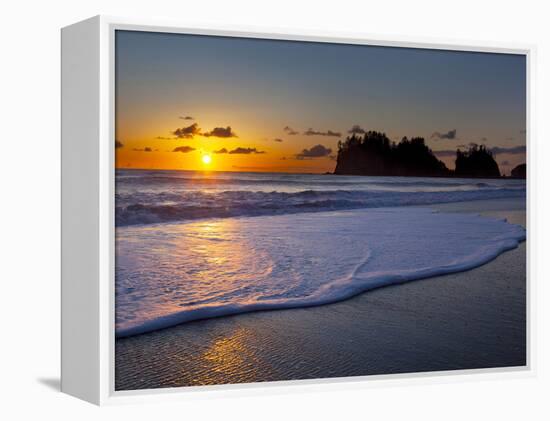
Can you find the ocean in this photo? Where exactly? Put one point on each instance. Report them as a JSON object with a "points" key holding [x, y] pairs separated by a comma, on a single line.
{"points": [[196, 245]]}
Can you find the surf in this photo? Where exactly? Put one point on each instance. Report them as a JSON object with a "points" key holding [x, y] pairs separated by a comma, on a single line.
{"points": [[176, 273]]}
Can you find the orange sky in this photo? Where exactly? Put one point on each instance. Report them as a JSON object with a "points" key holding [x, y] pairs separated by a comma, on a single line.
{"points": [[257, 153]]}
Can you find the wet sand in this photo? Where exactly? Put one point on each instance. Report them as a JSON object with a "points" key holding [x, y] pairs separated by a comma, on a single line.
{"points": [[473, 319]]}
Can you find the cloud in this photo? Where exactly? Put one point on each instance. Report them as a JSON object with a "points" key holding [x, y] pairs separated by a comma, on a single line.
{"points": [[185, 117], [483, 139], [220, 132], [165, 138], [222, 150], [245, 151], [278, 139], [356, 129], [146, 149], [290, 131], [118, 144], [451, 134], [445, 153], [187, 132], [183, 149], [274, 168], [193, 130], [311, 132], [452, 152], [317, 151], [514, 150]]}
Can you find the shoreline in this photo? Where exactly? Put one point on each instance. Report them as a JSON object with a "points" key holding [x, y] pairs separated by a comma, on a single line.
{"points": [[182, 338]]}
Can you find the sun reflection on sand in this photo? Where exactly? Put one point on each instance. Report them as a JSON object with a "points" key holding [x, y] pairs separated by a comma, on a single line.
{"points": [[233, 356]]}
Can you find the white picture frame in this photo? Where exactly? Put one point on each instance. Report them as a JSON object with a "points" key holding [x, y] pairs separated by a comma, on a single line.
{"points": [[88, 212]]}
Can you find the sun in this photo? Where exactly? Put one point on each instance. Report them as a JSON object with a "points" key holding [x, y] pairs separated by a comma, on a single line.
{"points": [[206, 159]]}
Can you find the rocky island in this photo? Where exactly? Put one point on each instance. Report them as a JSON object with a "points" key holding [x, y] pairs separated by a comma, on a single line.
{"points": [[520, 171], [375, 154], [478, 161]]}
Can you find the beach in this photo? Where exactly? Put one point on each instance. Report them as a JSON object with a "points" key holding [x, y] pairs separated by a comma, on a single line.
{"points": [[465, 320]]}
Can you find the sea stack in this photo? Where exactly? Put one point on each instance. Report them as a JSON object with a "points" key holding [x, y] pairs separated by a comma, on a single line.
{"points": [[478, 161], [520, 171], [375, 155]]}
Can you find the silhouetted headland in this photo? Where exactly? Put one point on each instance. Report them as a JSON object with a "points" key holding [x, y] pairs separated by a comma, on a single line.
{"points": [[374, 154]]}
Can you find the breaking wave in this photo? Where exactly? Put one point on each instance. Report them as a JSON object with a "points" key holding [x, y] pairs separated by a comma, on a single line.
{"points": [[151, 207]]}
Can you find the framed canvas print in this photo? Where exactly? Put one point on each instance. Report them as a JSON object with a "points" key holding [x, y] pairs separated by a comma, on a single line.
{"points": [[248, 209]]}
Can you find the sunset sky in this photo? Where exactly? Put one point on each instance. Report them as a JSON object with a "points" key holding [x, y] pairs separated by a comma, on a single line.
{"points": [[263, 105]]}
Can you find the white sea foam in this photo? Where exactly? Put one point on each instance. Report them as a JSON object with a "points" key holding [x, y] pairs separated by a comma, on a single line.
{"points": [[168, 274]]}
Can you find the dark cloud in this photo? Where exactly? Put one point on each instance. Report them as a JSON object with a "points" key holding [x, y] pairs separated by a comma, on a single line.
{"points": [[464, 146], [311, 132], [483, 139], [165, 138], [452, 152], [194, 130], [450, 135], [356, 129], [317, 151], [445, 153], [146, 149], [183, 149], [274, 168], [278, 139], [220, 132], [187, 132], [245, 151], [118, 144], [514, 150], [290, 131], [185, 117], [222, 150]]}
